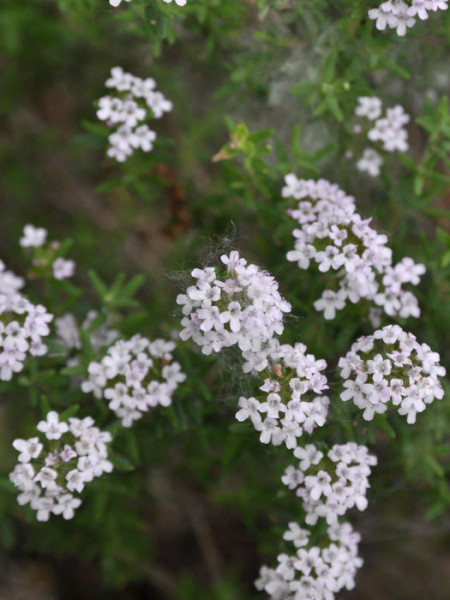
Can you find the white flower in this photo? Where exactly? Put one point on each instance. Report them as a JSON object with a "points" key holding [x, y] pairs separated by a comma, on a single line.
{"points": [[52, 428], [23, 477], [329, 303], [158, 104], [295, 534], [75, 480], [46, 478], [143, 138], [369, 107], [318, 484], [402, 20], [294, 188], [382, 14], [302, 254], [308, 455], [353, 391], [10, 284], [132, 113], [412, 404], [33, 237], [110, 109], [66, 506], [43, 507], [249, 408], [437, 4], [233, 316], [62, 268], [370, 162], [28, 449], [419, 9], [115, 4]]}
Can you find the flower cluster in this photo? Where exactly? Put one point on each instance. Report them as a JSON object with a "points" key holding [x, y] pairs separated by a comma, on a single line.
{"points": [[46, 257], [51, 469], [330, 484], [314, 572], [237, 305], [289, 403], [116, 3], [134, 101], [390, 366], [241, 305], [399, 15], [135, 375], [335, 237], [388, 133], [22, 327]]}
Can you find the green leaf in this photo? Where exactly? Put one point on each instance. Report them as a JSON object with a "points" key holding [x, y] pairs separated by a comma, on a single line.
{"points": [[438, 213], [69, 412], [96, 128], [395, 68], [329, 67], [445, 260], [323, 152], [304, 89], [333, 107], [133, 285], [408, 161], [132, 446], [87, 351], [231, 125], [120, 463], [97, 322], [68, 288], [97, 284], [70, 371], [108, 185], [258, 137], [6, 485], [434, 465], [45, 406], [239, 428], [113, 292], [382, 422], [427, 123], [436, 510], [443, 109], [418, 184]]}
